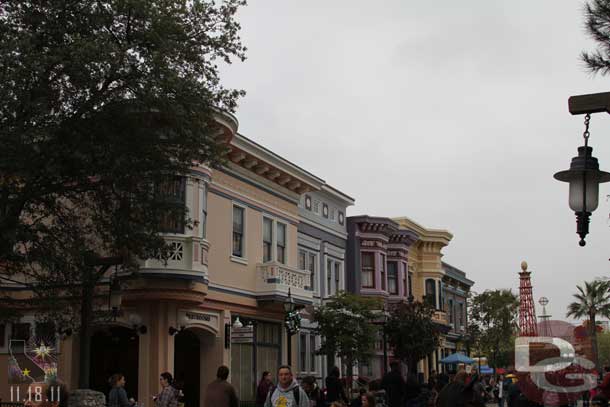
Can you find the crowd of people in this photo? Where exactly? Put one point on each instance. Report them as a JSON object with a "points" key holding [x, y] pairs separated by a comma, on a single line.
{"points": [[461, 389]]}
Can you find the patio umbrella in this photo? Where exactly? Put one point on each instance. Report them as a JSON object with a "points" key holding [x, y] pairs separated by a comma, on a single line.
{"points": [[457, 358]]}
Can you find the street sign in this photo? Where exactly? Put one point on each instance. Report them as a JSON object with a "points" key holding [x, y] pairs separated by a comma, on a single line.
{"points": [[242, 335]]}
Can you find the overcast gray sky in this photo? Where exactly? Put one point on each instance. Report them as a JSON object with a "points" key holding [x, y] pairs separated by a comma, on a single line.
{"points": [[453, 113]]}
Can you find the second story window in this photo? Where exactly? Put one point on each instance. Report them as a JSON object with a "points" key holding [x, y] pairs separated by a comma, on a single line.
{"points": [[404, 279], [329, 278], [172, 192], [410, 285], [393, 277], [450, 313], [368, 270], [267, 239], [337, 276], [204, 211], [382, 270], [431, 292], [281, 243], [312, 271], [238, 231]]}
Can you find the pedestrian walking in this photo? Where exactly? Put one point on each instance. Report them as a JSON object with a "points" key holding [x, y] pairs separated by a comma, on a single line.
{"points": [[500, 391], [169, 394], [334, 388], [394, 385], [263, 389], [287, 393], [316, 398], [118, 396], [452, 394], [220, 393]]}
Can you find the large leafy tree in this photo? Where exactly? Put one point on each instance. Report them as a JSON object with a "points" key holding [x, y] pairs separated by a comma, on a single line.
{"points": [[346, 326], [411, 332], [493, 322], [101, 103], [591, 300]]}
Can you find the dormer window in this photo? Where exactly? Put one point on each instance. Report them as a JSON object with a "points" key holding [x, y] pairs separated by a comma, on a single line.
{"points": [[307, 202]]}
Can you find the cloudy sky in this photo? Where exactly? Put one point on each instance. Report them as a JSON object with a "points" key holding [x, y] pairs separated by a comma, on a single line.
{"points": [[451, 113]]}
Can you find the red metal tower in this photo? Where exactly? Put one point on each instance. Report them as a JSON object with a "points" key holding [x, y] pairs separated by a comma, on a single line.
{"points": [[527, 312]]}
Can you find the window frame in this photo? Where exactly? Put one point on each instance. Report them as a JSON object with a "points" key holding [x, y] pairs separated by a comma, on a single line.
{"points": [[179, 228], [382, 272], [203, 207], [277, 243], [243, 255], [395, 278], [372, 271], [271, 245]]}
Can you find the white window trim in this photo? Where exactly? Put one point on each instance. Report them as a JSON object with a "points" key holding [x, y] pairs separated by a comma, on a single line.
{"points": [[274, 223], [244, 258], [309, 370], [203, 197], [329, 293], [316, 283]]}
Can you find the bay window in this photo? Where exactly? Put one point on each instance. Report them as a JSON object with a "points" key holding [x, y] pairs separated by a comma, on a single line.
{"points": [[393, 277], [368, 270]]}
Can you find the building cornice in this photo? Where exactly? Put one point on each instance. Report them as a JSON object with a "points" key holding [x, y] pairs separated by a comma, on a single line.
{"points": [[265, 163], [441, 236]]}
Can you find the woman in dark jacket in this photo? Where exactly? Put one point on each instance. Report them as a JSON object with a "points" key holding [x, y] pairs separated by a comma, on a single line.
{"points": [[118, 396], [263, 388], [334, 388]]}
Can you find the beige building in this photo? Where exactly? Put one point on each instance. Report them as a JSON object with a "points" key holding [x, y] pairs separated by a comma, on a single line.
{"points": [[218, 299]]}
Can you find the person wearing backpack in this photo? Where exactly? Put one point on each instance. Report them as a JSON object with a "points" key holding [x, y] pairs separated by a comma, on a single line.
{"points": [[287, 393]]}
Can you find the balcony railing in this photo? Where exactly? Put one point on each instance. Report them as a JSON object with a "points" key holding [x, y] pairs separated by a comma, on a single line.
{"points": [[274, 279], [187, 256]]}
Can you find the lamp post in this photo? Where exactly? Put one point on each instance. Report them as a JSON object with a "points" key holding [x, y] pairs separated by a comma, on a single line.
{"points": [[584, 175], [385, 341], [292, 321], [94, 268]]}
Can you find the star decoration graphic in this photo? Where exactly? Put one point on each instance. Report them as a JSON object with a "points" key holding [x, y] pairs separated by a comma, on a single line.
{"points": [[26, 372], [43, 351]]}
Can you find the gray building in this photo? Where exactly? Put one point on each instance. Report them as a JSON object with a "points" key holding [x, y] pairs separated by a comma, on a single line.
{"points": [[455, 289], [322, 242]]}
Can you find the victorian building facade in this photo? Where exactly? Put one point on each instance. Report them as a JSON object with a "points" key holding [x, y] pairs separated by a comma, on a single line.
{"points": [[400, 260], [262, 228], [456, 288], [322, 241]]}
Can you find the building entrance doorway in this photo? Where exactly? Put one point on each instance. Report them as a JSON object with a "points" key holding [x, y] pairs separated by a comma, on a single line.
{"points": [[114, 349], [187, 366]]}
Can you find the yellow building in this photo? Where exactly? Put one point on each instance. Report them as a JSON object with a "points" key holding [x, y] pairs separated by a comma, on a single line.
{"points": [[218, 299]]}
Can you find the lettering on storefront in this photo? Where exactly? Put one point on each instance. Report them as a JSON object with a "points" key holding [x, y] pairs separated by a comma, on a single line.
{"points": [[199, 318]]}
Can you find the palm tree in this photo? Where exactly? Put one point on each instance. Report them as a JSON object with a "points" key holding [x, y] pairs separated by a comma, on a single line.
{"points": [[592, 301]]}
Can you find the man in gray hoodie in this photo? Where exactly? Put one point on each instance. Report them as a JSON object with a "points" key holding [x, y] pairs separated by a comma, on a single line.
{"points": [[288, 393]]}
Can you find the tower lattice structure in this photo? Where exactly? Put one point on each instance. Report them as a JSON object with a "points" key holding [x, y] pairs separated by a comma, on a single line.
{"points": [[545, 323], [527, 312]]}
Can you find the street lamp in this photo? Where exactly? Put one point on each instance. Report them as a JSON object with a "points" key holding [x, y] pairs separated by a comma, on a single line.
{"points": [[584, 175], [292, 321], [385, 340], [115, 298]]}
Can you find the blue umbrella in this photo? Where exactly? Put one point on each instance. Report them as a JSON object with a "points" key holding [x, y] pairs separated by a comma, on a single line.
{"points": [[457, 358]]}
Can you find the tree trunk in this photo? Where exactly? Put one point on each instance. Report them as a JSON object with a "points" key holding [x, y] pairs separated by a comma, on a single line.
{"points": [[593, 336], [85, 330]]}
